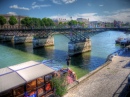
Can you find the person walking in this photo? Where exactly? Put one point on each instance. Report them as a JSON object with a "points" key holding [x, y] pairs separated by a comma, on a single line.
{"points": [[68, 61]]}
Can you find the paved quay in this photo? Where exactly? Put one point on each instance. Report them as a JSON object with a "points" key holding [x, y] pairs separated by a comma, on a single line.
{"points": [[107, 82]]}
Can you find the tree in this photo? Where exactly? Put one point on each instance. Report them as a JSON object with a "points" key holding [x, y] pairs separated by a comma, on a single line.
{"points": [[80, 23], [60, 24], [12, 20], [51, 23], [27, 21], [47, 22], [35, 22], [72, 22], [2, 20]]}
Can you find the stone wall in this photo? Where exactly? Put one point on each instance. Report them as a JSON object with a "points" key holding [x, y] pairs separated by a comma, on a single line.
{"points": [[6, 38], [22, 39], [79, 47], [39, 42]]}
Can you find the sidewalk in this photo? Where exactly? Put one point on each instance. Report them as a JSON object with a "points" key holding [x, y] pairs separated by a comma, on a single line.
{"points": [[107, 82]]}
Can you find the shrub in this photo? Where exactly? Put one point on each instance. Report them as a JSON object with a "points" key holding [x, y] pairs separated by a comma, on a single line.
{"points": [[60, 85]]}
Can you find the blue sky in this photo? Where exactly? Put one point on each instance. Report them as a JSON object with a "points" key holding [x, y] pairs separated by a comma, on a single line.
{"points": [[95, 10]]}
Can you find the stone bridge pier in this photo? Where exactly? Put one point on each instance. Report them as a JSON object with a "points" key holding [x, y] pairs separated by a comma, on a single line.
{"points": [[6, 38], [78, 47], [16, 39], [22, 39], [43, 41]]}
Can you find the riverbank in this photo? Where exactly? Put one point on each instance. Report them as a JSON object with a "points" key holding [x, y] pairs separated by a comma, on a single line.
{"points": [[104, 81]]}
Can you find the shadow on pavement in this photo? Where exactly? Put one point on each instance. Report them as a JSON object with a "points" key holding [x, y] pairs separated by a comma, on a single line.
{"points": [[123, 89]]}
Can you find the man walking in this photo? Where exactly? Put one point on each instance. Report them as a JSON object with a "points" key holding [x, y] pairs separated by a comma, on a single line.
{"points": [[68, 61]]}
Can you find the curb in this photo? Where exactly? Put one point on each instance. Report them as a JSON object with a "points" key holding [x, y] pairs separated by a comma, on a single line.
{"points": [[87, 75]]}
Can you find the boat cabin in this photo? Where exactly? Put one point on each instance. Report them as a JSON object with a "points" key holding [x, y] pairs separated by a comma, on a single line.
{"points": [[29, 79]]}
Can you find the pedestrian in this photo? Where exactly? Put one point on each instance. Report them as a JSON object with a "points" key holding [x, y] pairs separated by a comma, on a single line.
{"points": [[68, 61]]}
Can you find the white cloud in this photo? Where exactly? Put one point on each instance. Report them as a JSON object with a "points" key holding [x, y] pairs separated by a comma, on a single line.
{"points": [[11, 13], [33, 3], [66, 16], [122, 11], [63, 1], [68, 1], [57, 1], [39, 6], [101, 5], [17, 7], [122, 15], [89, 4]]}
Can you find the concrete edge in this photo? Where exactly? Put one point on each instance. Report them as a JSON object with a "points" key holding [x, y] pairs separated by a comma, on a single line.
{"points": [[87, 75]]}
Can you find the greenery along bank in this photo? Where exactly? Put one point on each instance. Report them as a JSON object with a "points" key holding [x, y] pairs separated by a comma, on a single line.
{"points": [[37, 22]]}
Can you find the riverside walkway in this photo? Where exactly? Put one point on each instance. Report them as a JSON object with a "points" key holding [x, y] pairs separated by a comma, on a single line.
{"points": [[110, 81]]}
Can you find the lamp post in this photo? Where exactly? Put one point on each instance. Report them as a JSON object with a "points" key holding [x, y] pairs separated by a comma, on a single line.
{"points": [[71, 28]]}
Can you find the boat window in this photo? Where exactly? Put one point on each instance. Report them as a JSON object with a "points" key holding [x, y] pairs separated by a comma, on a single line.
{"points": [[48, 77], [18, 91], [31, 85], [48, 86], [40, 81], [31, 93], [41, 91]]}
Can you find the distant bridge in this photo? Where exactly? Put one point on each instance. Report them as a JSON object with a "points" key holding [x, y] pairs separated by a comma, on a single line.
{"points": [[74, 34]]}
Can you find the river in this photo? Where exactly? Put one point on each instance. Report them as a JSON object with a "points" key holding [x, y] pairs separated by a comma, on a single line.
{"points": [[103, 44]]}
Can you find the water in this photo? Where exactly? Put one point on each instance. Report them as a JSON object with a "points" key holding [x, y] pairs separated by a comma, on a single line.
{"points": [[103, 44]]}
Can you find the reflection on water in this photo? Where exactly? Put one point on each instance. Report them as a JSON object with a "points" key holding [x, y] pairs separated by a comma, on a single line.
{"points": [[103, 44]]}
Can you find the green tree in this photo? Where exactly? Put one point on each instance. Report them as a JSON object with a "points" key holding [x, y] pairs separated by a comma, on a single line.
{"points": [[47, 22], [35, 22], [51, 23], [65, 24], [2, 20], [12, 20], [72, 22], [60, 24], [80, 23], [27, 21]]}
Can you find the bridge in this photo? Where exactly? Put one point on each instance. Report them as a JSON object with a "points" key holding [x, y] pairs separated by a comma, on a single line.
{"points": [[79, 37]]}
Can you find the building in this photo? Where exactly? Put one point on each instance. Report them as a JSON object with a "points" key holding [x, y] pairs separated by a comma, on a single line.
{"points": [[85, 21], [18, 17], [58, 20], [99, 24], [93, 24], [117, 24]]}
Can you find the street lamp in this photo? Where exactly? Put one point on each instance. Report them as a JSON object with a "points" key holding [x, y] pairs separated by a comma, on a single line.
{"points": [[71, 28]]}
